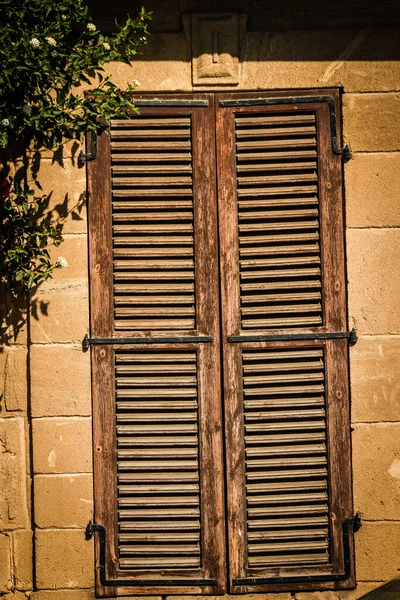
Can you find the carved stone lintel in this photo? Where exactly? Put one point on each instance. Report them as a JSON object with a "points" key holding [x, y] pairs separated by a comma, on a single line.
{"points": [[215, 41]]}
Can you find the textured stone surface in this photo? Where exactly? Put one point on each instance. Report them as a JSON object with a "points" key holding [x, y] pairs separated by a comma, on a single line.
{"points": [[375, 379], [348, 58], [5, 563], [378, 551], [63, 500], [376, 470], [22, 557], [16, 595], [60, 313], [283, 596], [371, 121], [372, 187], [172, 74], [67, 367], [13, 380], [13, 474], [357, 594], [65, 184], [374, 280], [62, 445], [13, 318], [63, 595], [64, 559], [74, 250]]}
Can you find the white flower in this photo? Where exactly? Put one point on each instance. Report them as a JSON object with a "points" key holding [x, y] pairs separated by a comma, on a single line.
{"points": [[136, 83], [34, 43], [27, 110], [106, 46], [91, 26], [62, 262], [51, 41], [5, 122]]}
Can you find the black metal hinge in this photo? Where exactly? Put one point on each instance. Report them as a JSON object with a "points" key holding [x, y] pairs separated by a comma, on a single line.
{"points": [[355, 523], [334, 335], [101, 530], [94, 341], [83, 158], [345, 151], [171, 102]]}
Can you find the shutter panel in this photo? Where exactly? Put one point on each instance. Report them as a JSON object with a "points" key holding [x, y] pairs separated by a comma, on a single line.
{"points": [[157, 406], [286, 401]]}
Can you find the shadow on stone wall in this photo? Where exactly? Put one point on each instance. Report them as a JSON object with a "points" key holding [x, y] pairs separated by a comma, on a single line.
{"points": [[55, 211], [389, 591]]}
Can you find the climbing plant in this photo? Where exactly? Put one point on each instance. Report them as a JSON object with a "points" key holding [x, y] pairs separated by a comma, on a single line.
{"points": [[53, 88]]}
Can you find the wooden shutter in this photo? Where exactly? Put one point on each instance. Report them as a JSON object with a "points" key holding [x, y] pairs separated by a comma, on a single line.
{"points": [[286, 399], [156, 382]]}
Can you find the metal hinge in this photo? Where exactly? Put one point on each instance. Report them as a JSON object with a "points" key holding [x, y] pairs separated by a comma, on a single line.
{"points": [[95, 341], [83, 158], [345, 151], [101, 530], [354, 522], [287, 337]]}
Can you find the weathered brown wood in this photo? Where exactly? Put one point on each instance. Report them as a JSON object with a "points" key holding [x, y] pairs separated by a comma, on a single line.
{"points": [[101, 324], [291, 442], [279, 418], [168, 397], [230, 308]]}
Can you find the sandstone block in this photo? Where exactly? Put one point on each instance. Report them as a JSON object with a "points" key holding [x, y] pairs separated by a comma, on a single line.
{"points": [[63, 595], [375, 379], [74, 250], [62, 445], [5, 563], [22, 546], [357, 594], [64, 559], [14, 499], [376, 470], [65, 184], [60, 380], [16, 595], [270, 596], [172, 74], [371, 121], [13, 382], [13, 318], [374, 280], [353, 59], [373, 190], [378, 551], [63, 500], [60, 313], [70, 149]]}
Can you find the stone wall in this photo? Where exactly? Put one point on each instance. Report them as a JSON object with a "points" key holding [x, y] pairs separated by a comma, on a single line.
{"points": [[45, 419]]}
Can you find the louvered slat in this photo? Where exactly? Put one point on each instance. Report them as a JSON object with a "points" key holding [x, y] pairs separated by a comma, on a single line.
{"points": [[278, 192], [153, 244], [286, 457], [158, 459]]}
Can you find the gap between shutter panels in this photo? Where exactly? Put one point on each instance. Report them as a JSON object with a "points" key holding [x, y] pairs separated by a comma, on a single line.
{"points": [[278, 214], [158, 459], [152, 210], [286, 457]]}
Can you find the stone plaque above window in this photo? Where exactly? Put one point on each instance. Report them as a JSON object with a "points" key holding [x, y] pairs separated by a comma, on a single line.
{"points": [[215, 41]]}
